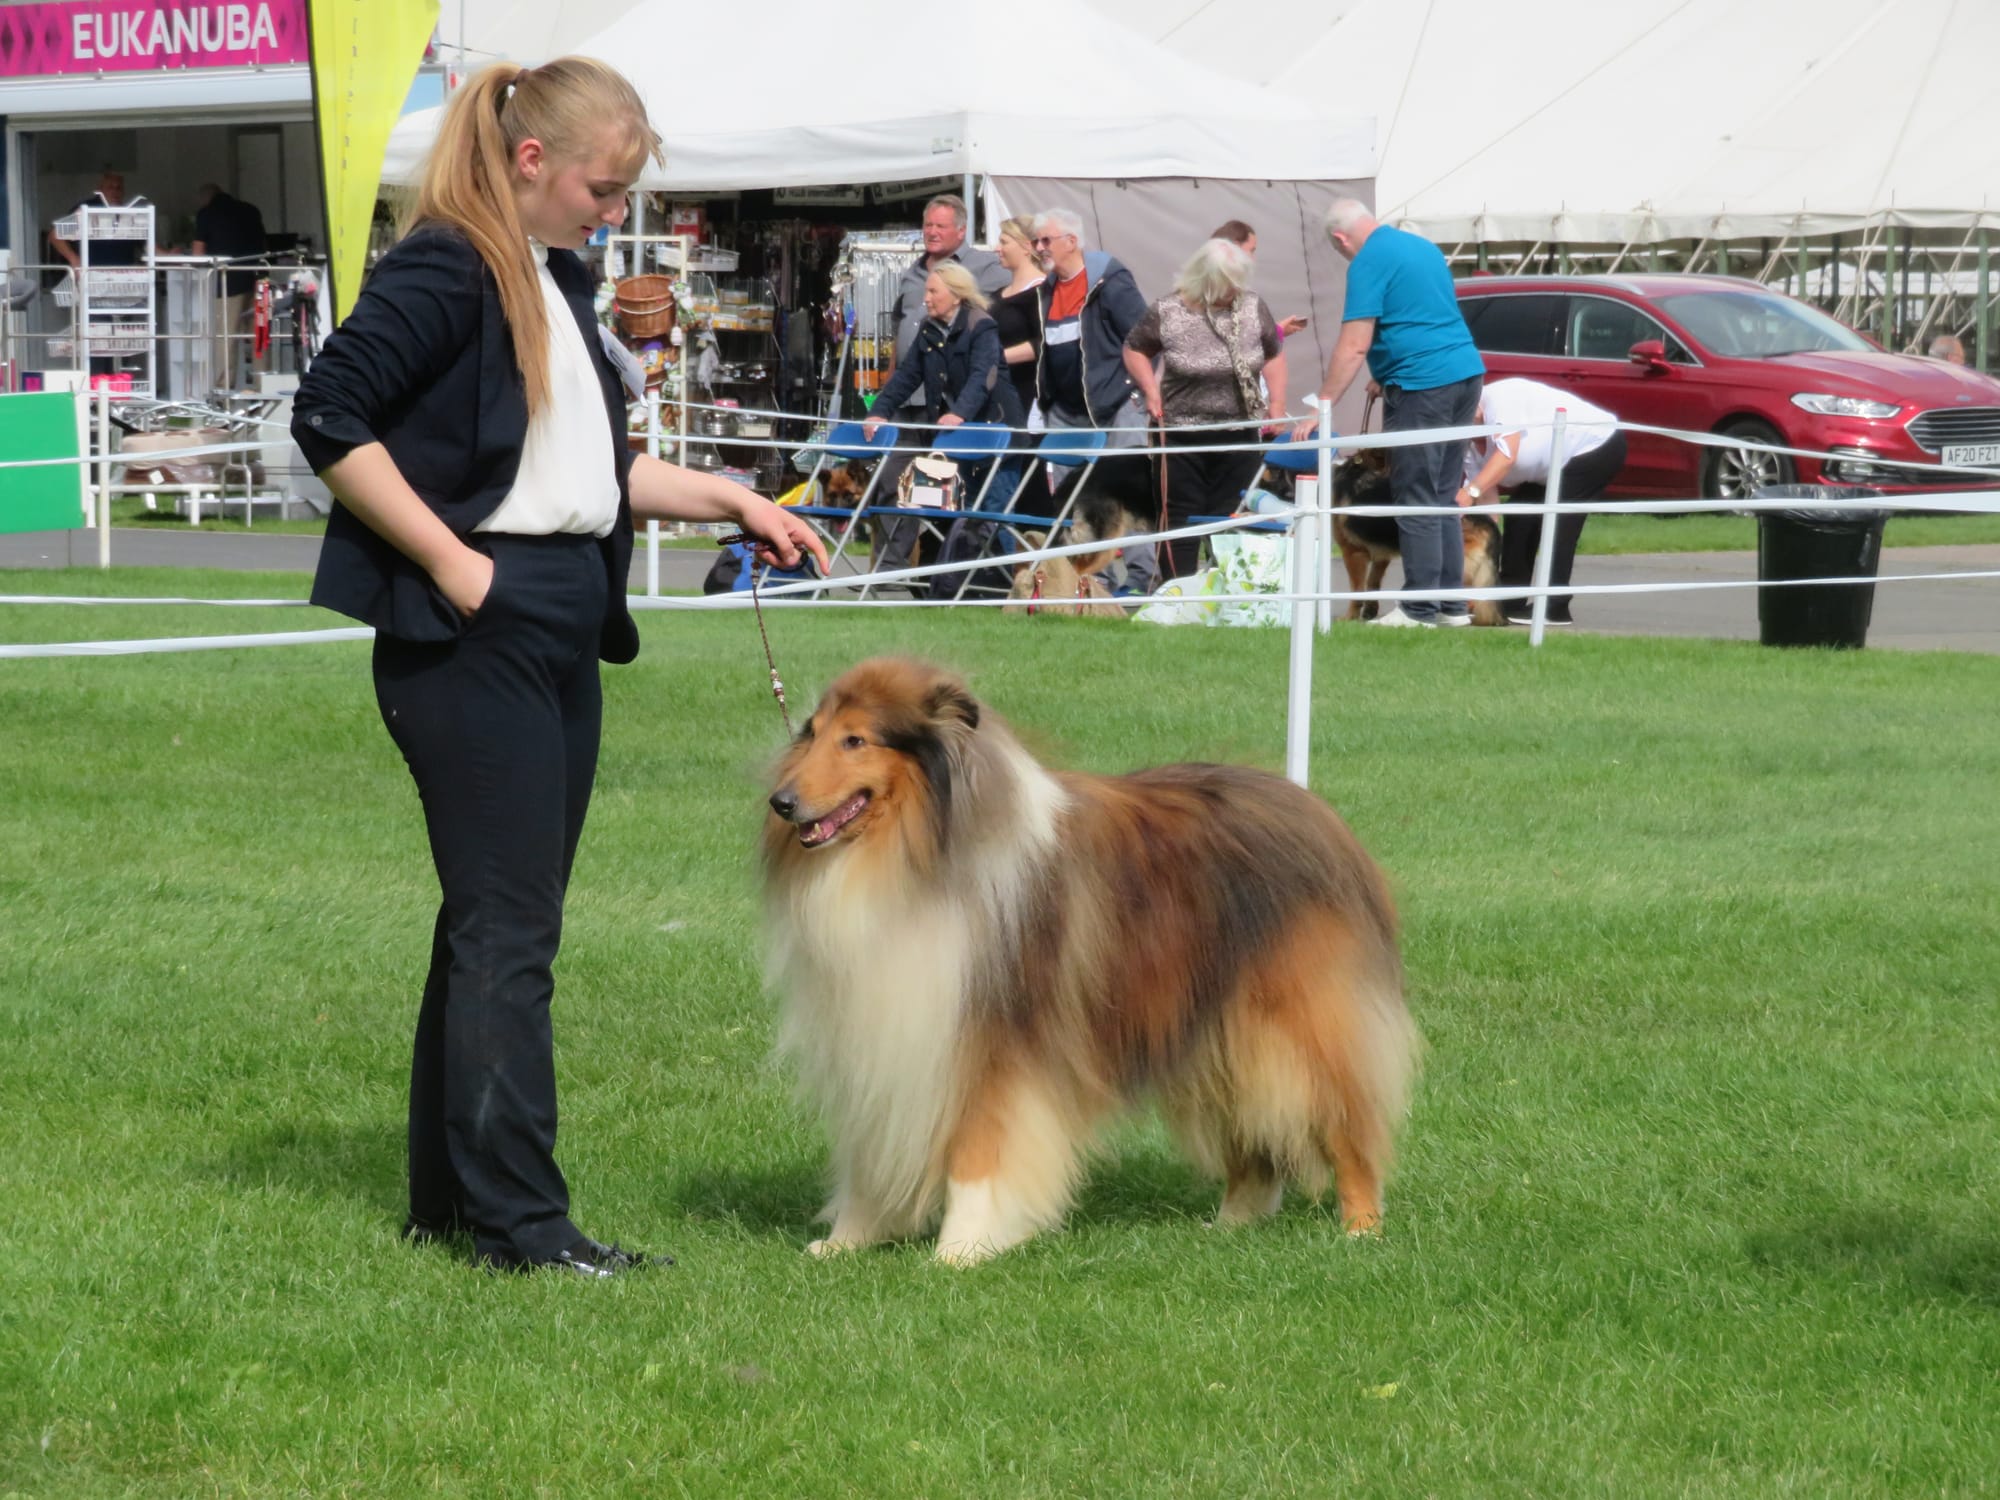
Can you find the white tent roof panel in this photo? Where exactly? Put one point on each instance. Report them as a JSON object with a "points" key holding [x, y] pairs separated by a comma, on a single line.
{"points": [[876, 92], [1579, 120]]}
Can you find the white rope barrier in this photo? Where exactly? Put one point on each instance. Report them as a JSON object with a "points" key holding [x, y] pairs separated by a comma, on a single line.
{"points": [[151, 458], [1339, 442], [163, 600], [186, 643], [643, 604], [1303, 593]]}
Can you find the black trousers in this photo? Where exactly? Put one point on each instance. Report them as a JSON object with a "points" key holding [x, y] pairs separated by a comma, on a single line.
{"points": [[1585, 477], [1204, 484], [500, 731]]}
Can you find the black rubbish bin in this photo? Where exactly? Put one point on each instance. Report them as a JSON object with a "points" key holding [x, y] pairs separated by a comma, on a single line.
{"points": [[1814, 542]]}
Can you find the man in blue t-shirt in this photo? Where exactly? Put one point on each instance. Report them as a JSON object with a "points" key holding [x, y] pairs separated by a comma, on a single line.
{"points": [[1402, 318]]}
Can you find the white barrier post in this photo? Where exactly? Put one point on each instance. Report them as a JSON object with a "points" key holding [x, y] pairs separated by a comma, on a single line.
{"points": [[104, 478], [1545, 550], [1298, 699], [1323, 523], [653, 524]]}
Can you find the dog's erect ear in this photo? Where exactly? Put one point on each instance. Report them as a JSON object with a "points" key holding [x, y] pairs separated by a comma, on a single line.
{"points": [[950, 701]]}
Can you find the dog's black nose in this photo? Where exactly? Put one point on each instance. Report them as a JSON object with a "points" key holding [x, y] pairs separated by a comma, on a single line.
{"points": [[785, 804]]}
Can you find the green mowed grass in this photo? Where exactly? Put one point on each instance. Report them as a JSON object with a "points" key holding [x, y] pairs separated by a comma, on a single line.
{"points": [[1697, 1196], [1707, 531]]}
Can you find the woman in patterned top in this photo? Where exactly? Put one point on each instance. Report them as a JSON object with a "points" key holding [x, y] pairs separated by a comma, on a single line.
{"points": [[1220, 360]]}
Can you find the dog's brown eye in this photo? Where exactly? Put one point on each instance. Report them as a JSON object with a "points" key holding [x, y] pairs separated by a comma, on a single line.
{"points": [[854, 742]]}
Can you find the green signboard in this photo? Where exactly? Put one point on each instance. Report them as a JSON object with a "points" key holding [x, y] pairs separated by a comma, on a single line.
{"points": [[44, 497]]}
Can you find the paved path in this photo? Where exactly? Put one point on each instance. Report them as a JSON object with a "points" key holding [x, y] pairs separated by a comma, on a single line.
{"points": [[1930, 616], [1912, 616]]}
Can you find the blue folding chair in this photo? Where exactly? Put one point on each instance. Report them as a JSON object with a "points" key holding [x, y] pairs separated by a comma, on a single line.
{"points": [[850, 440], [975, 443], [968, 443], [1066, 447], [1298, 457], [989, 444], [1295, 456]]}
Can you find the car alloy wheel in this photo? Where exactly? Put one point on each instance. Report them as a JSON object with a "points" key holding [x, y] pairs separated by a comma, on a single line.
{"points": [[1738, 473]]}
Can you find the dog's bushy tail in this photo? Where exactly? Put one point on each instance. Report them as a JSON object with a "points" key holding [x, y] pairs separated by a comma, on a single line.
{"points": [[1482, 571]]}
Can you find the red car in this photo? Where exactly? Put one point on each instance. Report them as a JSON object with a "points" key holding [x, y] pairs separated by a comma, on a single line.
{"points": [[1719, 354]]}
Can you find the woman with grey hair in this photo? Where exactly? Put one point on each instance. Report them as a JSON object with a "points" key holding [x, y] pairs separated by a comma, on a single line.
{"points": [[1220, 361]]}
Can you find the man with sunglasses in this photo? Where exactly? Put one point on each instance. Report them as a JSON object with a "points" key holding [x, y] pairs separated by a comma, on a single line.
{"points": [[1089, 304]]}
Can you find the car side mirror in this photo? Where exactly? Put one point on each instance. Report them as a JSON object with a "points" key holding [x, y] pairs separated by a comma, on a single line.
{"points": [[1652, 353]]}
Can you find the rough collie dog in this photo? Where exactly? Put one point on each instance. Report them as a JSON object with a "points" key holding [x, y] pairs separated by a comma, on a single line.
{"points": [[980, 960], [1368, 544]]}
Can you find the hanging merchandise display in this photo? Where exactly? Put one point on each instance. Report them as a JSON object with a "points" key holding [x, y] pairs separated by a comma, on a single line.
{"points": [[760, 318]]}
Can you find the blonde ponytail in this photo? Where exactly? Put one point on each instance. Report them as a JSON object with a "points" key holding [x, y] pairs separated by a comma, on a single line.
{"points": [[568, 105]]}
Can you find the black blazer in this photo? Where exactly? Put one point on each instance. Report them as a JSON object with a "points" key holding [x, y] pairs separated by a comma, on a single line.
{"points": [[425, 366]]}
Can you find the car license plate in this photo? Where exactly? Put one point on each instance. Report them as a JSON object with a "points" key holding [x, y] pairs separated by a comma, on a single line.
{"points": [[1973, 453]]}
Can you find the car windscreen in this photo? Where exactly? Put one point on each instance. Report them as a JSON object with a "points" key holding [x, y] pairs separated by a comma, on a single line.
{"points": [[1756, 325]]}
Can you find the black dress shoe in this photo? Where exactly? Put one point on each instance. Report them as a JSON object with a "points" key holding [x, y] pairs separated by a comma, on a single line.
{"points": [[585, 1257]]}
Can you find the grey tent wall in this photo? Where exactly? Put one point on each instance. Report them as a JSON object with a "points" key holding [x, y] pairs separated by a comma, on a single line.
{"points": [[1154, 224]]}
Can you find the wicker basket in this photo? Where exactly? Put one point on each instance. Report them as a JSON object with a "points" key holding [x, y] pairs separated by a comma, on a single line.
{"points": [[645, 306]]}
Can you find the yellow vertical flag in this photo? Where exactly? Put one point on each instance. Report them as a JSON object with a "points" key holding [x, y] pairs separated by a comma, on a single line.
{"points": [[365, 53]]}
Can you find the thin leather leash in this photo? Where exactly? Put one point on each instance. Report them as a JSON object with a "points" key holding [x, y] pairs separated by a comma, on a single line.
{"points": [[750, 562]]}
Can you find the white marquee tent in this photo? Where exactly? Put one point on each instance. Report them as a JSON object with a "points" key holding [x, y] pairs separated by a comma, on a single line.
{"points": [[1153, 149], [1629, 121], [869, 91]]}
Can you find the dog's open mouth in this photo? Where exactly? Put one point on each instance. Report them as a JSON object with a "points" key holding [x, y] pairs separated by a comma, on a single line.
{"points": [[825, 830]]}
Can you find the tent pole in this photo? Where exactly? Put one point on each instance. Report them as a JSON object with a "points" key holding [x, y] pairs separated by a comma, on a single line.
{"points": [[971, 210], [1482, 255], [1889, 290], [1983, 324]]}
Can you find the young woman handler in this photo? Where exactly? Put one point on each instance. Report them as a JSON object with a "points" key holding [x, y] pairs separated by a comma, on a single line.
{"points": [[471, 423]]}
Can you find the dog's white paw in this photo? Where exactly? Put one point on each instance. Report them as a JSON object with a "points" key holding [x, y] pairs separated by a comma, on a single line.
{"points": [[821, 1249], [1249, 1202], [965, 1253]]}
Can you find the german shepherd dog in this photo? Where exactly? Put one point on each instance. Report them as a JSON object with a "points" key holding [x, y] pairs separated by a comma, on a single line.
{"points": [[1368, 544], [981, 961]]}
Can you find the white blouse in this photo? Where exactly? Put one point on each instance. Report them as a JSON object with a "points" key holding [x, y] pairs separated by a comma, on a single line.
{"points": [[566, 482], [1529, 408]]}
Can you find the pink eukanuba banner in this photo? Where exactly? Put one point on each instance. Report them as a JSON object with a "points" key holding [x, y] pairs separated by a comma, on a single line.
{"points": [[135, 36]]}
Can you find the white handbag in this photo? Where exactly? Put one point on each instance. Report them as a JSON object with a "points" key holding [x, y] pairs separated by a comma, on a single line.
{"points": [[929, 483]]}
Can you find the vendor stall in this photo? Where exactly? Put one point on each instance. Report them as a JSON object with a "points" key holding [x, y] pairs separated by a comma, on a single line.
{"points": [[170, 98], [811, 194]]}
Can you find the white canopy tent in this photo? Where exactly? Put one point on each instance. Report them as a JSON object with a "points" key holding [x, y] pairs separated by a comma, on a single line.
{"points": [[869, 92], [527, 31], [1153, 149], [1641, 121]]}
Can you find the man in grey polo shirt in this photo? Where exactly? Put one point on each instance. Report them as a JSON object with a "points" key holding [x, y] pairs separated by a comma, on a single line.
{"points": [[944, 239]]}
